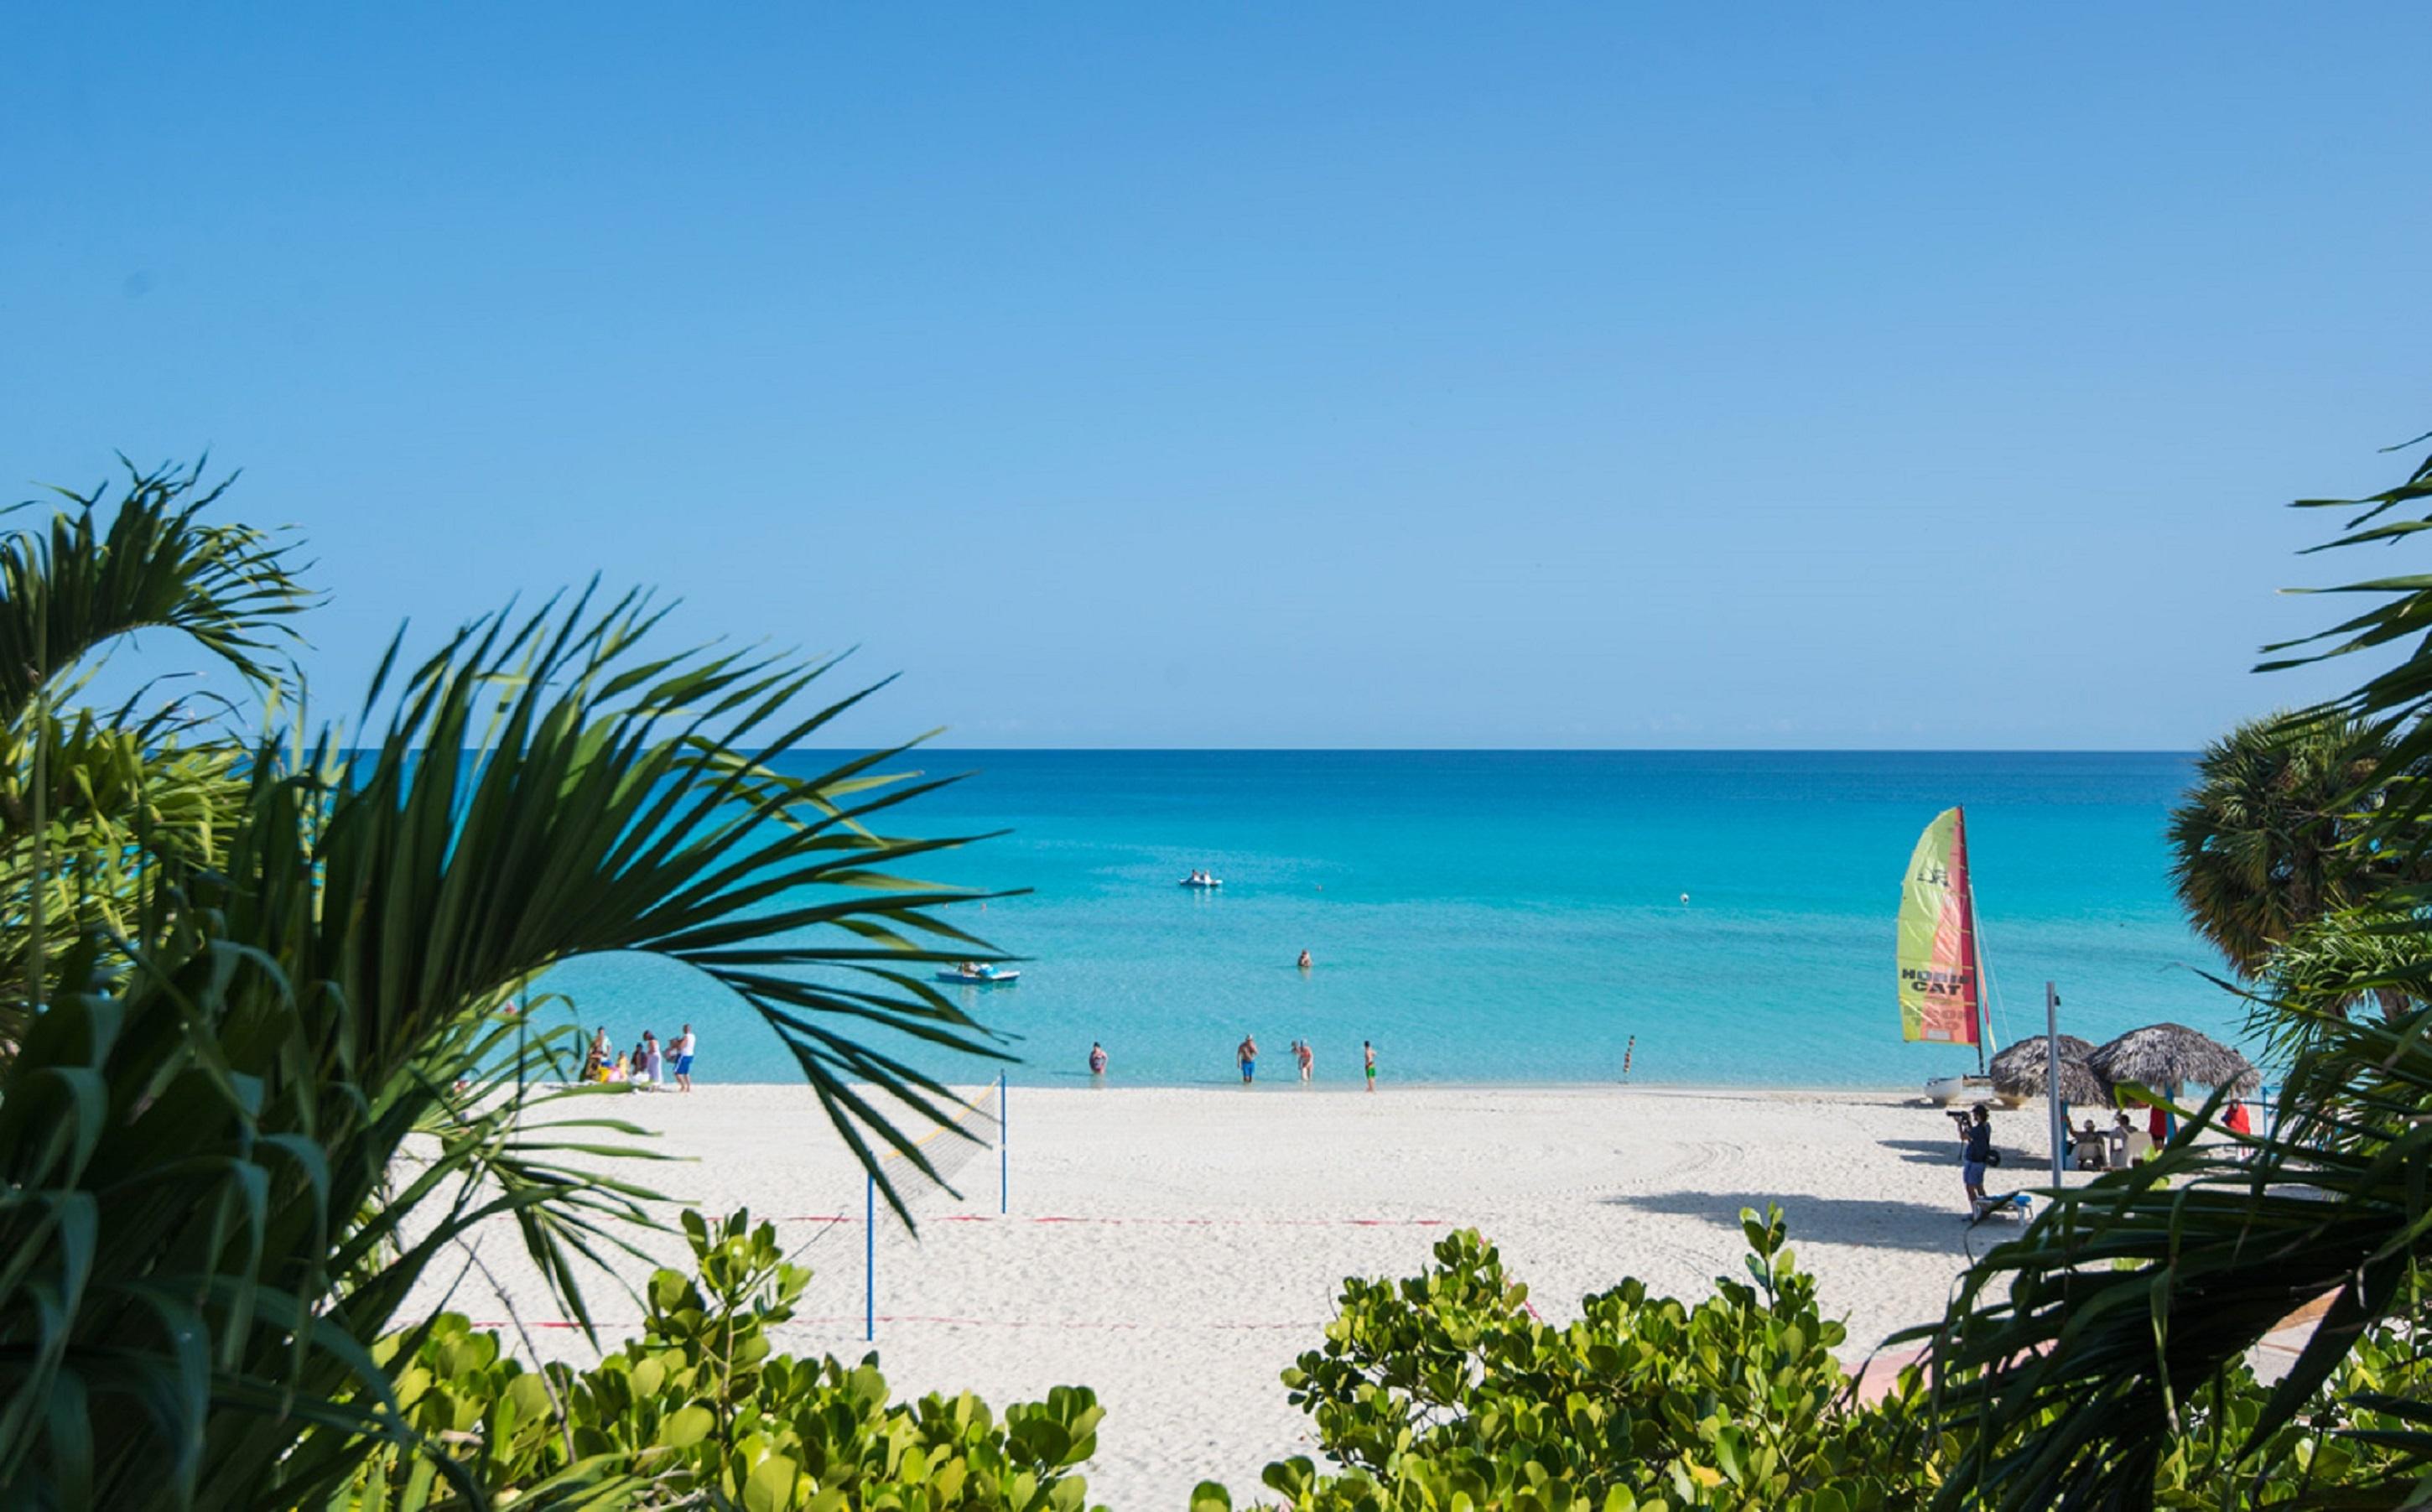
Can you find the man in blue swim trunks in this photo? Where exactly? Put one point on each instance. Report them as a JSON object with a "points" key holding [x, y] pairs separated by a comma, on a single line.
{"points": [[683, 1048], [1248, 1055]]}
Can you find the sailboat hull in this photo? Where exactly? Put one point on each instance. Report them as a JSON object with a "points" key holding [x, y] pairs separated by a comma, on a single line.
{"points": [[1961, 1091]]}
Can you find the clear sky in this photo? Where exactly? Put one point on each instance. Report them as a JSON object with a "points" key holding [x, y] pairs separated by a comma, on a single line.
{"points": [[1393, 375]]}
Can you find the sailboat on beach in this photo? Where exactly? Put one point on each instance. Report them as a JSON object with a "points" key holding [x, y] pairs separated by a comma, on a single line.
{"points": [[1941, 961]]}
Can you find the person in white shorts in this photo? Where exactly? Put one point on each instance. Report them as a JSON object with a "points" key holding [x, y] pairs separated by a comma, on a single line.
{"points": [[683, 1048]]}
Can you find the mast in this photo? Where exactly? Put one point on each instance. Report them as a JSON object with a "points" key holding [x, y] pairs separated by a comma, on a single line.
{"points": [[1969, 949]]}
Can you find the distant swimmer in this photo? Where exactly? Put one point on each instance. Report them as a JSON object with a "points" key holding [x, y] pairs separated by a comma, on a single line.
{"points": [[1684, 899], [1097, 1059], [1304, 962]]}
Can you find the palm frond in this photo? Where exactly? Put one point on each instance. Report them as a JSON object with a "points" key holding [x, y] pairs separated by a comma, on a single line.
{"points": [[106, 567], [297, 1014]]}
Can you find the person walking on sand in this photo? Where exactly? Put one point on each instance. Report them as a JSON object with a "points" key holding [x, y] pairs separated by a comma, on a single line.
{"points": [[683, 1048], [1247, 1053], [1307, 1057], [1097, 1059], [1975, 1153], [1368, 1053]]}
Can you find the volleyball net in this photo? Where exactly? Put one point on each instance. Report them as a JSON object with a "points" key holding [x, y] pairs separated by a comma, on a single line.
{"points": [[960, 1151]]}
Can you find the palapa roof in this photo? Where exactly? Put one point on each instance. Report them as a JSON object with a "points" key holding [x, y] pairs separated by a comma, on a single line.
{"points": [[2018, 1071], [2163, 1055]]}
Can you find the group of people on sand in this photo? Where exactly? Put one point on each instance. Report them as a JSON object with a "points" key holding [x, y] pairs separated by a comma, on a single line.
{"points": [[649, 1067], [1976, 1142]]}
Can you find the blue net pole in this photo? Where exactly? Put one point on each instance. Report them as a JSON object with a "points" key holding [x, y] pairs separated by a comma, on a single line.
{"points": [[870, 1259]]}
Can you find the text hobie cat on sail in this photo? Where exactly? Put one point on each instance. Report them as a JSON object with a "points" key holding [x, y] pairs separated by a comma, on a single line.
{"points": [[1941, 958]]}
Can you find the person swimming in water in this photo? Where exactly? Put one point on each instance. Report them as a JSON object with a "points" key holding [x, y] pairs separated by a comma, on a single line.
{"points": [[1304, 962]]}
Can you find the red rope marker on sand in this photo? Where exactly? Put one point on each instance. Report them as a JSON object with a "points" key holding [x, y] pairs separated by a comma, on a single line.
{"points": [[1147, 1223]]}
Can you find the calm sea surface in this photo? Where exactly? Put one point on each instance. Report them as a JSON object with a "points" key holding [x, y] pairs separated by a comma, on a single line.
{"points": [[1516, 916]]}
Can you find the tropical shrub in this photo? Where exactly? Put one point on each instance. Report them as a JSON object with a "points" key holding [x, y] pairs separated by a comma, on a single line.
{"points": [[1446, 1393], [1446, 1390], [700, 1410]]}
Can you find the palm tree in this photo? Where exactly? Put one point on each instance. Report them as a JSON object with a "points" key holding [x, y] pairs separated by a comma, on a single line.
{"points": [[208, 1214], [2268, 839]]}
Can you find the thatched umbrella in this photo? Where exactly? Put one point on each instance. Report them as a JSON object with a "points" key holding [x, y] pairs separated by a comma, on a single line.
{"points": [[2170, 1055], [2018, 1071]]}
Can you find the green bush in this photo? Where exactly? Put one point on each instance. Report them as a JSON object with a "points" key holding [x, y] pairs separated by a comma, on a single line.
{"points": [[1445, 1391], [700, 1410], [1445, 1388]]}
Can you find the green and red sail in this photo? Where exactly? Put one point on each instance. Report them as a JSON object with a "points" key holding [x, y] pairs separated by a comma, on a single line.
{"points": [[1939, 996]]}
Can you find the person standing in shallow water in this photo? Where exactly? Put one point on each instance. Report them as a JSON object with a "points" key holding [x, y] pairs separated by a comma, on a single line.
{"points": [[1304, 962], [1247, 1053], [1307, 1057], [1097, 1059], [683, 1048], [1368, 1053]]}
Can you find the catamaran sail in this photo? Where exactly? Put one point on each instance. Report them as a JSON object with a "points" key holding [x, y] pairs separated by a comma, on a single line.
{"points": [[1941, 972]]}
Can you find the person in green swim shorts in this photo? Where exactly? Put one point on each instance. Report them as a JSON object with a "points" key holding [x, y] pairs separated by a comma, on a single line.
{"points": [[1369, 1053]]}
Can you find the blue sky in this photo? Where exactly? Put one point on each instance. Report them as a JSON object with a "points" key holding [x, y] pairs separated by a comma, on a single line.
{"points": [[1278, 376]]}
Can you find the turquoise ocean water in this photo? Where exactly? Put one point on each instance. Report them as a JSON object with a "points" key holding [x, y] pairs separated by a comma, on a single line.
{"points": [[1516, 916]]}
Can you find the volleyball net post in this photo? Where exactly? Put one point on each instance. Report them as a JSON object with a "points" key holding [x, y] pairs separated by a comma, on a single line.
{"points": [[1004, 1156]]}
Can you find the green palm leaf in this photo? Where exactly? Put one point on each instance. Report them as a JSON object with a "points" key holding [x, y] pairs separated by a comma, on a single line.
{"points": [[232, 1106]]}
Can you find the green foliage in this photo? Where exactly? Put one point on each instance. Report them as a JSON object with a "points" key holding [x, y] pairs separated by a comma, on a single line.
{"points": [[86, 797], [700, 1410], [1446, 1390], [2265, 842], [1446, 1393], [146, 560], [274, 1080]]}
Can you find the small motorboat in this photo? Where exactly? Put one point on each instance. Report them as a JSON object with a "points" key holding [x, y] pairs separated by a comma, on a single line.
{"points": [[985, 976], [1202, 882]]}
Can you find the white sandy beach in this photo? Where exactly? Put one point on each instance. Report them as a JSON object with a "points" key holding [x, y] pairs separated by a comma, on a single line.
{"points": [[1175, 1248]]}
